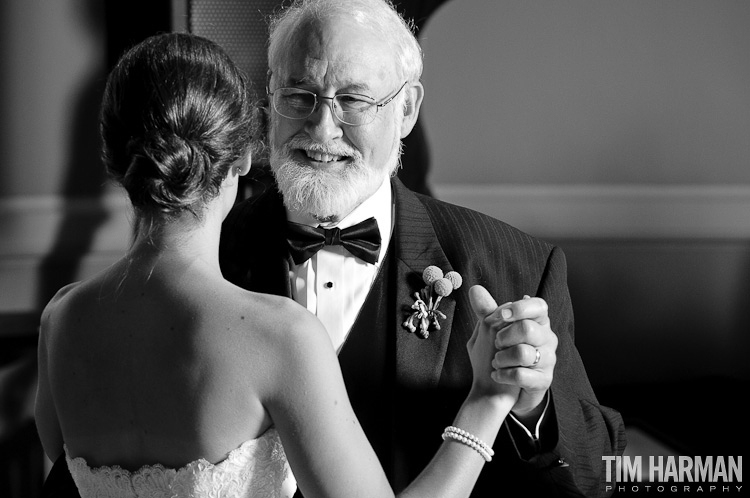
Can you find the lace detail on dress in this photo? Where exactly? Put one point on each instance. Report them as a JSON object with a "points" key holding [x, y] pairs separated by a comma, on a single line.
{"points": [[258, 468]]}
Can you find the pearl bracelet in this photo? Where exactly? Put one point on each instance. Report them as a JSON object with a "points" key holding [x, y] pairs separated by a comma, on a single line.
{"points": [[470, 440]]}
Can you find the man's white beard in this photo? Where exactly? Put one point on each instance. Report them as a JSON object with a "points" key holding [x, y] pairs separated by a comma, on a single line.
{"points": [[326, 195]]}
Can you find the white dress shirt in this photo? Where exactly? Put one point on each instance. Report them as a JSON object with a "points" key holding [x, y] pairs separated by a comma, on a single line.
{"points": [[333, 284]]}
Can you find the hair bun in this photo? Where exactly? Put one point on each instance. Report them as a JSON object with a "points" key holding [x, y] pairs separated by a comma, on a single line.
{"points": [[168, 172]]}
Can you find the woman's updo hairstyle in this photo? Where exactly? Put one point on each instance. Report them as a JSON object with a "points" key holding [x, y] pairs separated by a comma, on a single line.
{"points": [[175, 116]]}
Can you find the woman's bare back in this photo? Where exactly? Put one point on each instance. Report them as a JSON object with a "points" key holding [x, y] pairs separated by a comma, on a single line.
{"points": [[167, 364]]}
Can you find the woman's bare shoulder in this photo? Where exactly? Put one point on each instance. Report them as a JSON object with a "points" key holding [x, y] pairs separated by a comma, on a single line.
{"points": [[64, 292], [82, 295], [60, 301], [279, 337], [278, 319]]}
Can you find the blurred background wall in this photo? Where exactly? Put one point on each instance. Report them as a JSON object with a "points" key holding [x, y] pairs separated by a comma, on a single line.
{"points": [[618, 130]]}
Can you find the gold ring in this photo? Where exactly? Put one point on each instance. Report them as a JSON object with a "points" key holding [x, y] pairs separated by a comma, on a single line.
{"points": [[537, 357]]}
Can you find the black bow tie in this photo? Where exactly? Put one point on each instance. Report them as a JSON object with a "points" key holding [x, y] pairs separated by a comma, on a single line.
{"points": [[362, 240]]}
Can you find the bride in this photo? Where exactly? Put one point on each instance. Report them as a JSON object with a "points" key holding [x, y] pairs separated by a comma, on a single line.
{"points": [[159, 378]]}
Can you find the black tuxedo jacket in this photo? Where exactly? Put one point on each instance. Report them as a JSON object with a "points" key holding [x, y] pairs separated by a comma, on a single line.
{"points": [[425, 380]]}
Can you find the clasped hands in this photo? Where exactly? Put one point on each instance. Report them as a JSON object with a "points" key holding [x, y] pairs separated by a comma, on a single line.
{"points": [[504, 348]]}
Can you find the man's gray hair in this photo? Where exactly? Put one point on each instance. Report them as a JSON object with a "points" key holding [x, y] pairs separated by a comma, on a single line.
{"points": [[379, 16]]}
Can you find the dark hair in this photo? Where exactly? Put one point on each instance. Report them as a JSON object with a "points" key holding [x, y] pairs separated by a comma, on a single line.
{"points": [[175, 116]]}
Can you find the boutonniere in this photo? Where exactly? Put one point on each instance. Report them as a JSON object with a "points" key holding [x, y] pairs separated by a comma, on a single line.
{"points": [[426, 314]]}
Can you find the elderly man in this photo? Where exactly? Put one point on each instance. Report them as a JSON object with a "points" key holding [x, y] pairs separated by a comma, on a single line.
{"points": [[343, 237]]}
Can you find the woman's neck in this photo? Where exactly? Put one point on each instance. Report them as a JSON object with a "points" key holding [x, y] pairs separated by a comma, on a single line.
{"points": [[183, 238]]}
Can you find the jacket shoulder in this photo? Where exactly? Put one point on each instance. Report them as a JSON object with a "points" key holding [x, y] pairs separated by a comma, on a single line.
{"points": [[462, 226], [492, 253], [252, 232]]}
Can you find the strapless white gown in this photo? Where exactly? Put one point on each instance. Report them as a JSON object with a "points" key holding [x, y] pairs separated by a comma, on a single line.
{"points": [[258, 468]]}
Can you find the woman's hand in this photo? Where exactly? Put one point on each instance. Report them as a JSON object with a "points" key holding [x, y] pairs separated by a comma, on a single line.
{"points": [[482, 348]]}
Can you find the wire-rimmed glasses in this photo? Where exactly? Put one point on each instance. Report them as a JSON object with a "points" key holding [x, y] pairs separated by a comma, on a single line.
{"points": [[350, 108]]}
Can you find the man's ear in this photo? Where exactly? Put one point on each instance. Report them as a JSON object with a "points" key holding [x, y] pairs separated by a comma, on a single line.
{"points": [[245, 165], [264, 115], [412, 103]]}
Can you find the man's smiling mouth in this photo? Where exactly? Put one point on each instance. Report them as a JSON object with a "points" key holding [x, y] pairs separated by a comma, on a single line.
{"points": [[322, 157]]}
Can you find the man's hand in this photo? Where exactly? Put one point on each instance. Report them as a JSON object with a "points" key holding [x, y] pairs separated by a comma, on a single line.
{"points": [[526, 353]]}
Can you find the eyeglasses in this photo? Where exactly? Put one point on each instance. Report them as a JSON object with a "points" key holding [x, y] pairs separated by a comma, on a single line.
{"points": [[349, 108]]}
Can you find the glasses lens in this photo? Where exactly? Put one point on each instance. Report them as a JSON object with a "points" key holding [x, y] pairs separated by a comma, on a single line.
{"points": [[293, 103], [354, 109]]}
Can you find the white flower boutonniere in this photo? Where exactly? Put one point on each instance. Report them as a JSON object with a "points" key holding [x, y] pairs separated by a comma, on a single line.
{"points": [[426, 314]]}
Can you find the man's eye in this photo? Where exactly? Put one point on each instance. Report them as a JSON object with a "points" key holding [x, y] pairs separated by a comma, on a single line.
{"points": [[353, 103], [299, 99]]}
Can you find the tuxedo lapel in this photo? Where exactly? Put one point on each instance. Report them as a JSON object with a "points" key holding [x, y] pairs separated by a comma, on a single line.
{"points": [[419, 362], [255, 255]]}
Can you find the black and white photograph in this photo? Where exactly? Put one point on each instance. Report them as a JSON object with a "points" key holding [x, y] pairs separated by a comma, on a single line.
{"points": [[374, 248]]}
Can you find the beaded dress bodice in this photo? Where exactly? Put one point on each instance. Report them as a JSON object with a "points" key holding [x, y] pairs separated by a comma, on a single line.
{"points": [[258, 468]]}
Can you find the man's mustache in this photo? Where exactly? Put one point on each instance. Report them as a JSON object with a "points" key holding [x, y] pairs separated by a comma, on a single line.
{"points": [[330, 148]]}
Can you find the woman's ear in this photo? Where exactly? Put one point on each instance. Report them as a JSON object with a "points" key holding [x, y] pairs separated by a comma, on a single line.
{"points": [[412, 104], [240, 168]]}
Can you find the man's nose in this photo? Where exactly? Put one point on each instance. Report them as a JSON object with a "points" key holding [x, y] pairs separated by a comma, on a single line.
{"points": [[323, 125]]}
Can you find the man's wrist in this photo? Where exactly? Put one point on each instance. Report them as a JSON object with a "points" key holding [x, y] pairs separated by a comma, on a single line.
{"points": [[530, 417], [531, 422]]}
